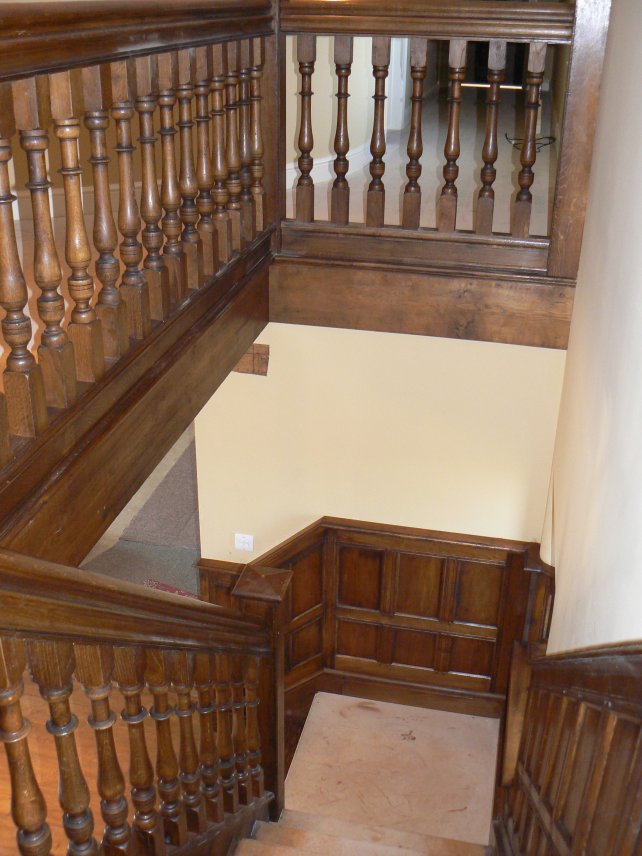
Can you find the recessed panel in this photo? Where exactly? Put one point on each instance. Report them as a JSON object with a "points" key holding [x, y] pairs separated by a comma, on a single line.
{"points": [[418, 583], [305, 643], [360, 577], [471, 656], [357, 640], [307, 582], [478, 593], [414, 648]]}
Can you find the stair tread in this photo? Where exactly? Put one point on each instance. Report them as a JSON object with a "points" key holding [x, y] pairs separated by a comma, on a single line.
{"points": [[399, 840], [252, 847]]}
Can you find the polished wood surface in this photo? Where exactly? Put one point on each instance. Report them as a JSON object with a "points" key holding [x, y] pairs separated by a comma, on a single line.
{"points": [[40, 597], [96, 759], [366, 296], [340, 201], [306, 52], [445, 19], [221, 321], [41, 37], [395, 613], [577, 783], [583, 88]]}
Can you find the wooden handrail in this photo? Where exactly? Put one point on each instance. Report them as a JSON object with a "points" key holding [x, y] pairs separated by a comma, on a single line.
{"points": [[442, 19], [43, 37], [45, 599]]}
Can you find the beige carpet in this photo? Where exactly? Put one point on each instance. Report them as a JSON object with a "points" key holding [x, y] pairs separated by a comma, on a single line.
{"points": [[405, 768]]}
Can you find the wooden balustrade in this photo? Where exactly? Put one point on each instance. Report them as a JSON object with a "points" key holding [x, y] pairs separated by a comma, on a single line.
{"points": [[412, 193], [213, 671], [183, 210], [340, 203]]}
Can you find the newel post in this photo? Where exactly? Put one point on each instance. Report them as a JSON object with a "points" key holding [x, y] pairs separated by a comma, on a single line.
{"points": [[263, 591]]}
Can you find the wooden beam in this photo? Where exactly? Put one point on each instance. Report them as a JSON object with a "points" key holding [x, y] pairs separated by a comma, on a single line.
{"points": [[532, 311]]}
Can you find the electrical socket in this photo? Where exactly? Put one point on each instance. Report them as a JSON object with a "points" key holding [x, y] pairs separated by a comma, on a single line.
{"points": [[244, 542]]}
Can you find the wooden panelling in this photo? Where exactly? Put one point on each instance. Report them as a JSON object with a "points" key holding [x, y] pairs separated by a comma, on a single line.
{"points": [[578, 782], [414, 648], [366, 296], [417, 585], [471, 656], [407, 606], [477, 593], [356, 639], [304, 644], [359, 577], [307, 581]]}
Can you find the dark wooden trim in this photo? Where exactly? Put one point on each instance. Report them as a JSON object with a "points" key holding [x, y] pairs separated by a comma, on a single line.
{"points": [[517, 310], [576, 783], [43, 37], [576, 150], [51, 503], [416, 248], [400, 692], [51, 600], [443, 19]]}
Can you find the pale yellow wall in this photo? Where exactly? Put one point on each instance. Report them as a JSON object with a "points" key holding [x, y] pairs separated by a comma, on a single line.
{"points": [[324, 86], [408, 430], [597, 488]]}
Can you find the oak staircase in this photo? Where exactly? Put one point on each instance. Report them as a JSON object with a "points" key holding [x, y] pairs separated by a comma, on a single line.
{"points": [[144, 245]]}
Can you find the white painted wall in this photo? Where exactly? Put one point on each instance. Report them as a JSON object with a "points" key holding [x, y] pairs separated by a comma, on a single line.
{"points": [[406, 430], [596, 506]]}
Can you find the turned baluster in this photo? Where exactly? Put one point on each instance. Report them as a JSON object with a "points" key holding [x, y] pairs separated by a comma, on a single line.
{"points": [[23, 382], [173, 255], [203, 680], [222, 219], [129, 665], [306, 51], [521, 214], [239, 735], [94, 668], [182, 676], [232, 143], [110, 307], [190, 238], [146, 88], [28, 808], [251, 667], [486, 199], [447, 203], [134, 287], [257, 58], [169, 789], [224, 733], [85, 330], [411, 212], [56, 352], [340, 199], [204, 203], [52, 668], [376, 198], [248, 216]]}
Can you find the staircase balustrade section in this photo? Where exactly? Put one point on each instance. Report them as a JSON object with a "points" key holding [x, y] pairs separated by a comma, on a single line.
{"points": [[135, 126], [193, 685]]}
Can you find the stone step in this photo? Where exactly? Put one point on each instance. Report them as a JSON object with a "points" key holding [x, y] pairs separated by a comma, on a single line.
{"points": [[306, 841], [427, 845]]}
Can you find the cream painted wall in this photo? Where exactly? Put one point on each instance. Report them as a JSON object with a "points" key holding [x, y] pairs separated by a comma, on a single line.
{"points": [[596, 506], [407, 430]]}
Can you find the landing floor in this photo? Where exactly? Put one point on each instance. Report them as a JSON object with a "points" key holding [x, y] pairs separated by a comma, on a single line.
{"points": [[407, 768]]}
